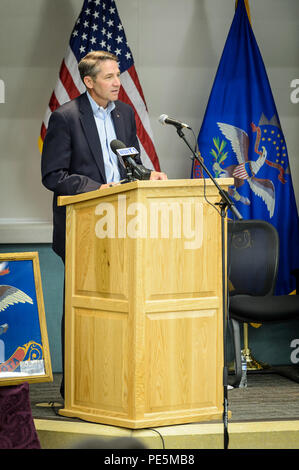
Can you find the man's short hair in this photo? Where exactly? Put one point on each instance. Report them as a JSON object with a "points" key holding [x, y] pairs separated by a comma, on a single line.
{"points": [[90, 64]]}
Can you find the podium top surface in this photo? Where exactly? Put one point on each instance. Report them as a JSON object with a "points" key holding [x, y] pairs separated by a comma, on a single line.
{"points": [[171, 183]]}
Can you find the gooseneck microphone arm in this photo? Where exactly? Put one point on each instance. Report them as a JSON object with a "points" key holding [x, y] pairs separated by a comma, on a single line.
{"points": [[224, 204]]}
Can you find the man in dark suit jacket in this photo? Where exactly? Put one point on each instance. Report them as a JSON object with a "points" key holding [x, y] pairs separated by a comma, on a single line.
{"points": [[73, 157], [76, 154]]}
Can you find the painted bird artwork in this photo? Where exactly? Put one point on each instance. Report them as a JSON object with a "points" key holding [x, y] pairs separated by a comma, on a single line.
{"points": [[10, 295]]}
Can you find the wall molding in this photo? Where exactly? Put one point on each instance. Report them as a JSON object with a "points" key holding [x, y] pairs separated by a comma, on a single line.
{"points": [[25, 231]]}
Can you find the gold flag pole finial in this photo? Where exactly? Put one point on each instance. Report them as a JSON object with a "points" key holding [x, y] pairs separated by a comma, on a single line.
{"points": [[247, 8]]}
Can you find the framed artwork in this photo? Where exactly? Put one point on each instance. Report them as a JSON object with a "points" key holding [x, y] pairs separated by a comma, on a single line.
{"points": [[24, 347]]}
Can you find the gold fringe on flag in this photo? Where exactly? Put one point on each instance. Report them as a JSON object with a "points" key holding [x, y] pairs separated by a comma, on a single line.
{"points": [[40, 144]]}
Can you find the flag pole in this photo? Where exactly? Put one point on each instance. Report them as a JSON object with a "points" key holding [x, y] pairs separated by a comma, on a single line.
{"points": [[251, 362], [246, 2]]}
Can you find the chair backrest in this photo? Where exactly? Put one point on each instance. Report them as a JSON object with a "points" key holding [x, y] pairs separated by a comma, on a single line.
{"points": [[253, 254]]}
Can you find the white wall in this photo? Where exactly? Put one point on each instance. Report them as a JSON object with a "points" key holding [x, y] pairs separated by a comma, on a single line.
{"points": [[176, 45]]}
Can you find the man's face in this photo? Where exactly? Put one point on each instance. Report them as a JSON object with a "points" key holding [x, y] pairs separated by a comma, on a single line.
{"points": [[105, 87]]}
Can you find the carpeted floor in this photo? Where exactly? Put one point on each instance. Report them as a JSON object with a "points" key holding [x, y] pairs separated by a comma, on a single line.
{"points": [[269, 396]]}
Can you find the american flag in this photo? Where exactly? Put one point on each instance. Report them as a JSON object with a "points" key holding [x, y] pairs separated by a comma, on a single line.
{"points": [[98, 27]]}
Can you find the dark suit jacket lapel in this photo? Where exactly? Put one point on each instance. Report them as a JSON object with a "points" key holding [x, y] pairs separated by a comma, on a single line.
{"points": [[118, 120], [91, 133]]}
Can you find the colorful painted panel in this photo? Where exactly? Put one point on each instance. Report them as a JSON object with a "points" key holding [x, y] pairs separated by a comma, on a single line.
{"points": [[22, 351]]}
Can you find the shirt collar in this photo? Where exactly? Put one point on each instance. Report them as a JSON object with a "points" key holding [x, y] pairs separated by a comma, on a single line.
{"points": [[96, 108]]}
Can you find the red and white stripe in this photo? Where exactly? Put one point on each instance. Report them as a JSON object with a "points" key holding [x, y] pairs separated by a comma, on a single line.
{"points": [[240, 172]]}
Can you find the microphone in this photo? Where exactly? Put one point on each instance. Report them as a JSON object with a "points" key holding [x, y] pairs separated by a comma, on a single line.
{"points": [[126, 156], [164, 119]]}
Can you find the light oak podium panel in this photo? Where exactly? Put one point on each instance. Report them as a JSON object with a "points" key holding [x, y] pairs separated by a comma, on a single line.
{"points": [[144, 325]]}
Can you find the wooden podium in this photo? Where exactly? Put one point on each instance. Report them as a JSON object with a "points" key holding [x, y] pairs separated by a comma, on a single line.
{"points": [[144, 322]]}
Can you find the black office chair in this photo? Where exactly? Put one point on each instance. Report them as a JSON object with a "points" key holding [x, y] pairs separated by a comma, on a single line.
{"points": [[253, 256]]}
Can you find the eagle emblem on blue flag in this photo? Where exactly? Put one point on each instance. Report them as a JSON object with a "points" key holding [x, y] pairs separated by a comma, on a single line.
{"points": [[241, 138], [245, 169]]}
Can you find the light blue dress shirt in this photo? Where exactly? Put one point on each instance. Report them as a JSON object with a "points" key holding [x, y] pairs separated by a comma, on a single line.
{"points": [[106, 131]]}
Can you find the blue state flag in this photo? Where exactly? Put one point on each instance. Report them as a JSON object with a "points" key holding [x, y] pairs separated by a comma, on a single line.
{"points": [[241, 138]]}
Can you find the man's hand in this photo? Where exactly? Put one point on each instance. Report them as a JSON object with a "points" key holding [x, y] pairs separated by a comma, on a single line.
{"points": [[108, 185], [157, 175]]}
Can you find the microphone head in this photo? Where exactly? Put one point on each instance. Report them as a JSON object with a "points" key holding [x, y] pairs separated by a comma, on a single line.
{"points": [[116, 144], [162, 118]]}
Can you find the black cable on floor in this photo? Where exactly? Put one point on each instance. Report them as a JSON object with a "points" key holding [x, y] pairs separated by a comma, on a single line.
{"points": [[54, 408], [162, 439]]}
